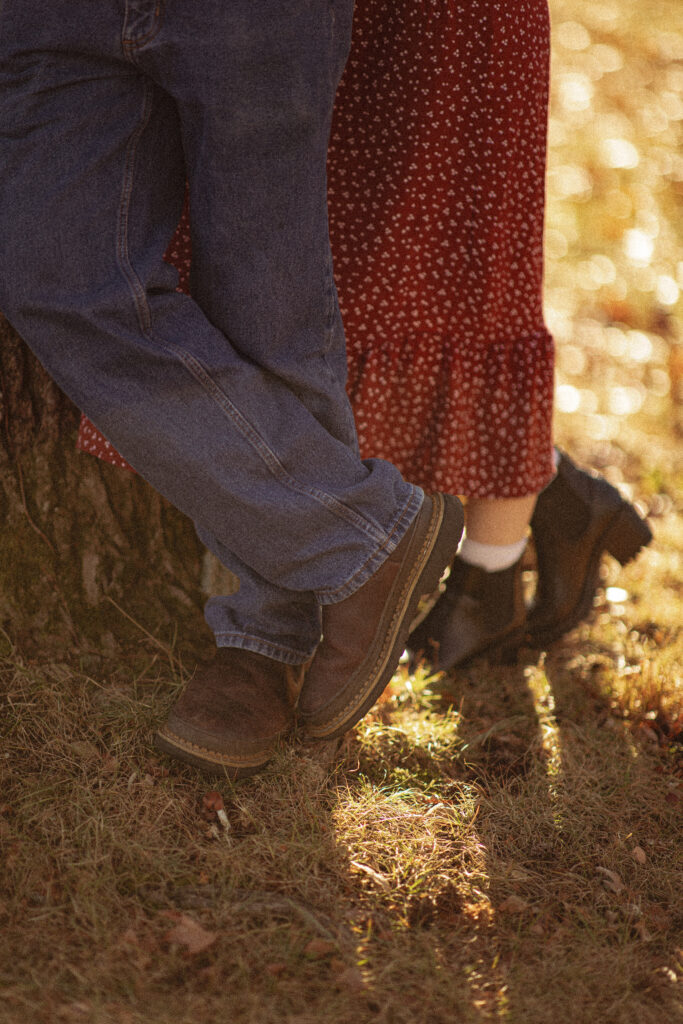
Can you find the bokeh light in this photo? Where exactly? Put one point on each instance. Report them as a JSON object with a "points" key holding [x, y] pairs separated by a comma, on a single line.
{"points": [[614, 224]]}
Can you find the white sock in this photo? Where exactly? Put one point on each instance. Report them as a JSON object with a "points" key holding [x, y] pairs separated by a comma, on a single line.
{"points": [[491, 557]]}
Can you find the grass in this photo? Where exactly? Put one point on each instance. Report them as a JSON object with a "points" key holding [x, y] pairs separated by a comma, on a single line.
{"points": [[482, 852], [499, 844]]}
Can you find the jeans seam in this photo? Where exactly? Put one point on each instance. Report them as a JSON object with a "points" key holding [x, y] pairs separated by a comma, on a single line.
{"points": [[253, 437], [122, 251], [130, 43], [411, 508], [329, 297], [256, 644]]}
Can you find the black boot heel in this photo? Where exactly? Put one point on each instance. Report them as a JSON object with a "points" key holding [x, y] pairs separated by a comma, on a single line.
{"points": [[577, 518], [626, 534]]}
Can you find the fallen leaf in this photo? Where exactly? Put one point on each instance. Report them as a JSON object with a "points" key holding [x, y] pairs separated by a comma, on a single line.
{"points": [[316, 949], [639, 855], [610, 879], [189, 934], [276, 969], [212, 802], [514, 905]]}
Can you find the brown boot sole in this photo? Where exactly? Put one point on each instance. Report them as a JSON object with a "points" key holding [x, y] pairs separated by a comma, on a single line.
{"points": [[213, 762], [437, 549]]}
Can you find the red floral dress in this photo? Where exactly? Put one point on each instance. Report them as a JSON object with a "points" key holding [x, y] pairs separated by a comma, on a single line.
{"points": [[436, 193]]}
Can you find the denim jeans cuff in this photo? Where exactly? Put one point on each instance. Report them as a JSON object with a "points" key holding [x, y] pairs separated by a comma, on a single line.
{"points": [[258, 645], [395, 534]]}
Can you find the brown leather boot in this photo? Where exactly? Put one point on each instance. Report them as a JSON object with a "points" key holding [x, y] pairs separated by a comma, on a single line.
{"points": [[232, 714], [364, 635], [577, 517], [479, 613]]}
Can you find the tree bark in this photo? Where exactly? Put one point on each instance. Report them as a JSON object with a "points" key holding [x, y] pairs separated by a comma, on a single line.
{"points": [[89, 554]]}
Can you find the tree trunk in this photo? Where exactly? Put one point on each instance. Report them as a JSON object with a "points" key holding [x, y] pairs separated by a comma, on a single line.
{"points": [[89, 554]]}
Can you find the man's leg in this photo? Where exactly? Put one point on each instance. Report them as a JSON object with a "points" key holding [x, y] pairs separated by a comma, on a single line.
{"points": [[92, 200], [255, 126], [91, 158]]}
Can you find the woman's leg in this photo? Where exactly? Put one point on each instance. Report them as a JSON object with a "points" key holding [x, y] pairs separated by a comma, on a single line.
{"points": [[499, 522]]}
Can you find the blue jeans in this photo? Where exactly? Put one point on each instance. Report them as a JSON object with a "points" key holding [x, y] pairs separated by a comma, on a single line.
{"points": [[232, 402]]}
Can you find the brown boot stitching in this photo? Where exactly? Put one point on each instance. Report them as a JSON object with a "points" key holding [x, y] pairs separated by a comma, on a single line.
{"points": [[216, 756]]}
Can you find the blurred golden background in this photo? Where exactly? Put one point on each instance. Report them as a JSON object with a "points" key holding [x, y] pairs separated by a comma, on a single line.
{"points": [[614, 223]]}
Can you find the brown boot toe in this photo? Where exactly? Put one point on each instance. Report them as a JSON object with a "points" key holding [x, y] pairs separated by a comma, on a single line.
{"points": [[232, 714]]}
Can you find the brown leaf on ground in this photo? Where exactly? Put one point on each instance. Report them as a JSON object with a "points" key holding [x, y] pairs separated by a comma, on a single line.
{"points": [[514, 905], [316, 949], [212, 803], [188, 933], [276, 969], [610, 879]]}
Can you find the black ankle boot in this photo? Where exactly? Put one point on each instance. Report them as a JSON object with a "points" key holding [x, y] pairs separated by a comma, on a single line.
{"points": [[577, 517], [479, 613]]}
